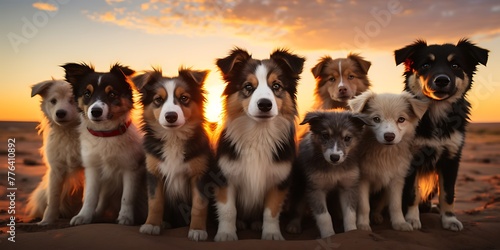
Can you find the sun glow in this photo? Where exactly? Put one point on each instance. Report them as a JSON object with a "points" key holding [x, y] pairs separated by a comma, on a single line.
{"points": [[213, 108]]}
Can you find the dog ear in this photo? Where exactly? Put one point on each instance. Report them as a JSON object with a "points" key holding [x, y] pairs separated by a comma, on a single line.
{"points": [[143, 81], [121, 71], [313, 117], [359, 120], [362, 63], [404, 54], [418, 107], [290, 62], [359, 103], [236, 56], [478, 55], [194, 76], [316, 70], [75, 71], [41, 88]]}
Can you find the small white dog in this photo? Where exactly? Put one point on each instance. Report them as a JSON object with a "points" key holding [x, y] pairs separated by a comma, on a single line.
{"points": [[385, 157], [60, 192]]}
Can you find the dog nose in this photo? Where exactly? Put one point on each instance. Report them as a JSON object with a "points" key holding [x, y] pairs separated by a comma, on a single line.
{"points": [[442, 81], [60, 113], [342, 90], [96, 112], [264, 105], [389, 137], [171, 117], [334, 158]]}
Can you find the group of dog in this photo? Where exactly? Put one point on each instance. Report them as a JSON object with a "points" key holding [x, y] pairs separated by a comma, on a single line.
{"points": [[403, 147]]}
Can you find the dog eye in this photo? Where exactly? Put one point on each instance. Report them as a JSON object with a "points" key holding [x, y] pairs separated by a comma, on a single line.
{"points": [[350, 77], [276, 86], [87, 94], [331, 79], [325, 135], [112, 95], [347, 139], [376, 119], [248, 87], [184, 99], [158, 101], [426, 66], [455, 66], [53, 101], [401, 119]]}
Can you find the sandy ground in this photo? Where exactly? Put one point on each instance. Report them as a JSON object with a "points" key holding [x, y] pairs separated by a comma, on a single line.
{"points": [[477, 206]]}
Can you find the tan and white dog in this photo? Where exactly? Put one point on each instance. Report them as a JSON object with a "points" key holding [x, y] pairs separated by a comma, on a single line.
{"points": [[386, 153], [60, 192]]}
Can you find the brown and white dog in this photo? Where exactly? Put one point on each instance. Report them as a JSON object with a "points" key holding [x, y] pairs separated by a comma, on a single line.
{"points": [[111, 149], [177, 147], [256, 146], [339, 80], [61, 190]]}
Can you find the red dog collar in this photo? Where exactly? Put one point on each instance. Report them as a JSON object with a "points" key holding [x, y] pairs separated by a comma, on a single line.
{"points": [[110, 133]]}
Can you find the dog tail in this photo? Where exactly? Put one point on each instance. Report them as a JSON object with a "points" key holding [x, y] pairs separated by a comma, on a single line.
{"points": [[427, 184], [37, 202], [71, 194]]}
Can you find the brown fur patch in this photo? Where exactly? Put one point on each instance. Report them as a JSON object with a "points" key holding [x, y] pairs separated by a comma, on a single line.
{"points": [[274, 200], [152, 164], [221, 194], [199, 209], [156, 204]]}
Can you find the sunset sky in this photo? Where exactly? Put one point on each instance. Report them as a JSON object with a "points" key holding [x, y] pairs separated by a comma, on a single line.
{"points": [[38, 36]]}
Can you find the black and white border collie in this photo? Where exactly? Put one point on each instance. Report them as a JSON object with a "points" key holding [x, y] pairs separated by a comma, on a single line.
{"points": [[441, 74], [256, 146], [112, 154], [177, 148]]}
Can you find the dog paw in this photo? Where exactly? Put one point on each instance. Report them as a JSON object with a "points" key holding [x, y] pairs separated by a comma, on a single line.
{"points": [[226, 236], [80, 220], [125, 220], [272, 236], [364, 227], [197, 235], [150, 229], [452, 223], [415, 223], [402, 226], [377, 219], [350, 227], [327, 234], [256, 226], [294, 227], [45, 222]]}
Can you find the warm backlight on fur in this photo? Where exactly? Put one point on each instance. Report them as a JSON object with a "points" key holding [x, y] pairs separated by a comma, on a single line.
{"points": [[213, 108]]}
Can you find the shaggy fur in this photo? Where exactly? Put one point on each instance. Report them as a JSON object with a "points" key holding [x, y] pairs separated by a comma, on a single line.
{"points": [[339, 80], [327, 161], [442, 75], [177, 148], [114, 165], [386, 153], [256, 147], [60, 192]]}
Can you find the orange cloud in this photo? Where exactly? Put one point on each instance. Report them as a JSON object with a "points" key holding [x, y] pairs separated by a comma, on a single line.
{"points": [[314, 25], [44, 6]]}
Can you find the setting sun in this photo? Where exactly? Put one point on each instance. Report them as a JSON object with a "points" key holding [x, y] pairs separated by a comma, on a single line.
{"points": [[213, 108]]}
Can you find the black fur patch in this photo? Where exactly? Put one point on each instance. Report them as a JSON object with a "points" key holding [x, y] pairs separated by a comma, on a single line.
{"points": [[152, 183], [197, 145], [226, 148], [286, 151], [151, 144]]}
